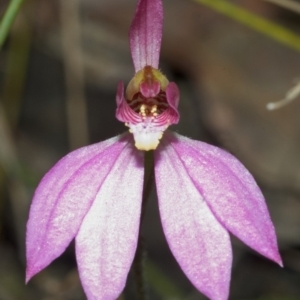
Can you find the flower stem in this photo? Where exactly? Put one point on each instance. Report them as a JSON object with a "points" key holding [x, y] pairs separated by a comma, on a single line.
{"points": [[138, 268], [148, 180], [140, 256]]}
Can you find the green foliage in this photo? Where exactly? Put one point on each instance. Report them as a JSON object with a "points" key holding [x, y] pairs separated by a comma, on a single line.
{"points": [[8, 19], [245, 17]]}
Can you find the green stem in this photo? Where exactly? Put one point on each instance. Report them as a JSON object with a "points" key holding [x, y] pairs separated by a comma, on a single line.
{"points": [[139, 260], [148, 180], [262, 25], [8, 19], [17, 58], [138, 268]]}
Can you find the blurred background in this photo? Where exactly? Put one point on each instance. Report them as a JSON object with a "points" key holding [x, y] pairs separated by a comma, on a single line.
{"points": [[59, 68]]}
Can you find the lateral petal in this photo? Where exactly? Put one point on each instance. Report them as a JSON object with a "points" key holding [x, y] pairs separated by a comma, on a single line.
{"points": [[230, 191], [200, 244], [145, 34], [107, 239], [173, 95], [63, 197]]}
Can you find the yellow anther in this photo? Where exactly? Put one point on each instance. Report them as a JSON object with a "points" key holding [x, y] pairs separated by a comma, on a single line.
{"points": [[143, 109], [153, 109]]}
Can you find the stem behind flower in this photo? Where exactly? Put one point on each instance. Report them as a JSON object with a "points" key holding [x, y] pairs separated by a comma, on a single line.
{"points": [[140, 256]]}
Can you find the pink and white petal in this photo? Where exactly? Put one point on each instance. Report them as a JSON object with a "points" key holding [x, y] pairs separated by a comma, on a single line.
{"points": [[200, 244], [63, 197], [145, 34], [107, 239], [230, 191], [124, 113]]}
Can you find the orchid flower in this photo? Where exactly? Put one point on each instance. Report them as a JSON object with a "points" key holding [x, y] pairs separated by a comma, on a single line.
{"points": [[94, 194]]}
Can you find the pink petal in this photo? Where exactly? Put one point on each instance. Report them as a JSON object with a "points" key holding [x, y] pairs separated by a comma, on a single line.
{"points": [[231, 193], [124, 113], [120, 93], [198, 241], [173, 95], [146, 33], [107, 239], [63, 197]]}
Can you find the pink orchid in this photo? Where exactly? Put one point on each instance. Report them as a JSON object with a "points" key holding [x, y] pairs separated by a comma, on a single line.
{"points": [[94, 194]]}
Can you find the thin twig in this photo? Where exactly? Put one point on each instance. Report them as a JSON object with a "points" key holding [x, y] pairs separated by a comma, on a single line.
{"points": [[291, 95]]}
